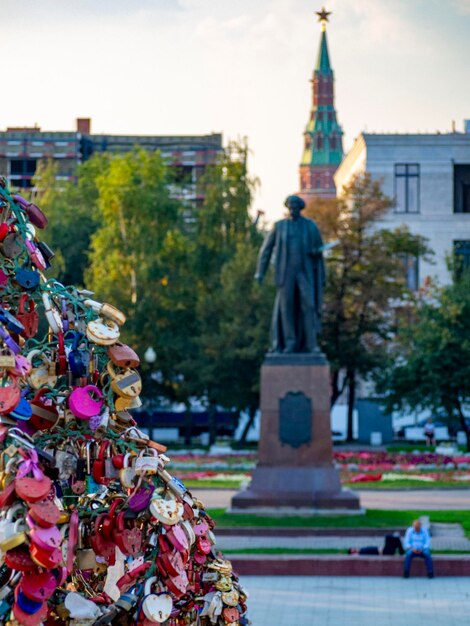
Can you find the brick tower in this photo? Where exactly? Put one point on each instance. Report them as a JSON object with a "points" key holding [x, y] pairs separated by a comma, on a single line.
{"points": [[323, 145]]}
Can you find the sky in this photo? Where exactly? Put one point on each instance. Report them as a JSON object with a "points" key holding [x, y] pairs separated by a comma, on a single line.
{"points": [[240, 67]]}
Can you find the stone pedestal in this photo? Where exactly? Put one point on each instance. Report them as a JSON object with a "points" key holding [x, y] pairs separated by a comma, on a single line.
{"points": [[295, 465]]}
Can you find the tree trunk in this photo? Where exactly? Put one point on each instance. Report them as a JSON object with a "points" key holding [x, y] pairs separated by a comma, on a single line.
{"points": [[248, 425], [212, 417], [351, 375], [336, 388]]}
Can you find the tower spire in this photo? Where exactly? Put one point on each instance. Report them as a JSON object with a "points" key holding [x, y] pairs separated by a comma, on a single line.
{"points": [[323, 148]]}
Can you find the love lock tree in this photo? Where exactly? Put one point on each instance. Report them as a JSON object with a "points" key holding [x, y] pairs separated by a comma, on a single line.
{"points": [[93, 528]]}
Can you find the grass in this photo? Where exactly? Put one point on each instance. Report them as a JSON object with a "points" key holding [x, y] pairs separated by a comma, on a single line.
{"points": [[373, 518], [295, 551], [408, 483], [213, 484]]}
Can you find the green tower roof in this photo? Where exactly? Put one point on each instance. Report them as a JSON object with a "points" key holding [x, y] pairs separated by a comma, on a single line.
{"points": [[323, 58]]}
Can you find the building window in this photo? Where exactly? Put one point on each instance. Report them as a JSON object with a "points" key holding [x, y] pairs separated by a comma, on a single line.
{"points": [[333, 145], [411, 270], [461, 255], [406, 188], [462, 188], [319, 142]]}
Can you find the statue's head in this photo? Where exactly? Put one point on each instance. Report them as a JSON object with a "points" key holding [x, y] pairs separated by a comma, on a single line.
{"points": [[295, 204]]}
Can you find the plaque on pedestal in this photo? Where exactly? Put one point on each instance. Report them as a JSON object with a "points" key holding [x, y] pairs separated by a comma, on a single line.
{"points": [[295, 467]]}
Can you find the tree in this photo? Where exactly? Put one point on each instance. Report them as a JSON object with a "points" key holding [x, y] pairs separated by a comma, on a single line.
{"points": [[224, 354], [365, 275], [140, 259], [73, 214], [428, 365]]}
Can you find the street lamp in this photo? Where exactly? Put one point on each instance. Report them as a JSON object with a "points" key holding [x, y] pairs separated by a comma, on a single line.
{"points": [[150, 356]]}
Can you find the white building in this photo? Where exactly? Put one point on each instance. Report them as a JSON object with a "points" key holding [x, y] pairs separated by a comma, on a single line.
{"points": [[429, 177]]}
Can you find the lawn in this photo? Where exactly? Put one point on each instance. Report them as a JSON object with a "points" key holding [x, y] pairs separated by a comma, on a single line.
{"points": [[373, 518]]}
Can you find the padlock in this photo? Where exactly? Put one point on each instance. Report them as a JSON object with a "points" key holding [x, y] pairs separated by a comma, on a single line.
{"points": [[107, 311], [27, 277], [53, 316], [127, 383], [12, 245], [123, 356], [33, 490], [10, 321], [29, 318], [82, 401], [86, 557], [10, 394], [79, 359], [45, 413], [35, 255], [128, 539], [7, 358], [148, 462], [157, 607], [34, 213], [102, 332], [42, 375], [127, 474]]}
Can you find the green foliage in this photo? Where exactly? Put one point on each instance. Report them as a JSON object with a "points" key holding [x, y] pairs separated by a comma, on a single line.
{"points": [[73, 215], [428, 366], [365, 275]]}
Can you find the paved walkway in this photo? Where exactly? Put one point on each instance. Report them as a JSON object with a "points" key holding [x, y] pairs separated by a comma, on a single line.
{"points": [[239, 543], [425, 500], [325, 601]]}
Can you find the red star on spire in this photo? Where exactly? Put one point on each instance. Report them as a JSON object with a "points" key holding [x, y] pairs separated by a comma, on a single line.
{"points": [[323, 16]]}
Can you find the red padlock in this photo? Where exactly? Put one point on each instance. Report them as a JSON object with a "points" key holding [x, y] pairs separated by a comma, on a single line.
{"points": [[128, 540], [49, 559], [109, 522], [31, 489], [38, 586], [45, 513], [102, 546], [30, 318], [45, 414], [98, 471], [20, 560]]}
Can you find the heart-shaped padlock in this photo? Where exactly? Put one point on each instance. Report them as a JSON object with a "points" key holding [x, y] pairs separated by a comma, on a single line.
{"points": [[46, 538], [156, 607], [38, 586], [82, 401], [166, 510], [128, 539], [27, 278]]}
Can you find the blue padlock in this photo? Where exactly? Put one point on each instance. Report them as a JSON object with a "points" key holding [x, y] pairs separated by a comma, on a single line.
{"points": [[22, 411], [27, 605]]}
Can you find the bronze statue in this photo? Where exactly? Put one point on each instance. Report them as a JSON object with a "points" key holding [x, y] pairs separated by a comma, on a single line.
{"points": [[299, 274]]}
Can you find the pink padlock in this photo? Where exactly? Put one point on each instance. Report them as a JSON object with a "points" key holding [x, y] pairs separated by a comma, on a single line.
{"points": [[46, 538], [177, 537], [36, 255], [82, 401]]}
